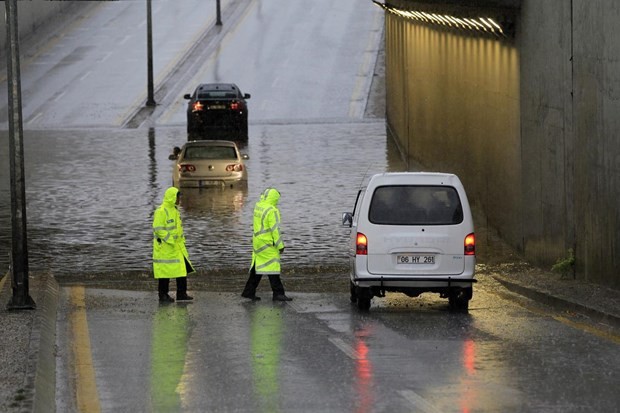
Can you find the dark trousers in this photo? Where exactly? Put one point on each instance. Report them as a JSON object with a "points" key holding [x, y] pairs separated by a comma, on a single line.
{"points": [[163, 286], [254, 279]]}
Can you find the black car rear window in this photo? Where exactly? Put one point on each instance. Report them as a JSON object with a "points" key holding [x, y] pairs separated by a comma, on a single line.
{"points": [[415, 205], [210, 152], [217, 94]]}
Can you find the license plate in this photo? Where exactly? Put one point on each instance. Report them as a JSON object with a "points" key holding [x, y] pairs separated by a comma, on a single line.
{"points": [[210, 183], [415, 259], [217, 106]]}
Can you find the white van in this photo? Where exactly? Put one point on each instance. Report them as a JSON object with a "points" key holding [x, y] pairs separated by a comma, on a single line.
{"points": [[412, 232]]}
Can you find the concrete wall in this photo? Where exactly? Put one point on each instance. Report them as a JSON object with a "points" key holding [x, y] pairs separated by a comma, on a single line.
{"points": [[529, 121], [596, 120], [35, 13]]}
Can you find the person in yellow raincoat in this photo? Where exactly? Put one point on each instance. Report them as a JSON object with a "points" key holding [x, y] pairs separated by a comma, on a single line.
{"points": [[267, 245], [170, 257]]}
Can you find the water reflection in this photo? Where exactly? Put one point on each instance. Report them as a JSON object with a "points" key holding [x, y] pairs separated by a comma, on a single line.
{"points": [[168, 350], [224, 202], [363, 373], [266, 337]]}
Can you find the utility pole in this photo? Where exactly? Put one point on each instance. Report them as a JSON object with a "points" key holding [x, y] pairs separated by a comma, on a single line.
{"points": [[20, 299], [218, 20], [150, 101]]}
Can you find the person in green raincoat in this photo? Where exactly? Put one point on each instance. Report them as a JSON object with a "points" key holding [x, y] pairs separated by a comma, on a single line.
{"points": [[267, 245], [170, 257]]}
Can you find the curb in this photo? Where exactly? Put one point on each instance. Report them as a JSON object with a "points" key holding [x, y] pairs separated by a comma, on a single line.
{"points": [[560, 303], [42, 372]]}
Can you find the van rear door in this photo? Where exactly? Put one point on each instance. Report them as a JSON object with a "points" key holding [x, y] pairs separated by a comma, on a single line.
{"points": [[416, 230]]}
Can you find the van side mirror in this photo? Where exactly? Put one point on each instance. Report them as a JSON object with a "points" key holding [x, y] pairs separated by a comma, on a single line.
{"points": [[347, 219]]}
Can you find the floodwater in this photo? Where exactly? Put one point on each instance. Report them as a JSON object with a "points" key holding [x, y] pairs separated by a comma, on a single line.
{"points": [[90, 195]]}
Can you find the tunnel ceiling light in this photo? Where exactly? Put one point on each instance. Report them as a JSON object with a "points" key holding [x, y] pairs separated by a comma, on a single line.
{"points": [[480, 24]]}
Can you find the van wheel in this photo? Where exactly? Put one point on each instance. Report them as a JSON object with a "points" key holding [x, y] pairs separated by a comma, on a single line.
{"points": [[363, 298], [353, 290], [459, 300]]}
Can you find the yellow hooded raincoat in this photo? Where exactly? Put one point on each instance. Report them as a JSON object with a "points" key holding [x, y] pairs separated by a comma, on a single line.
{"points": [[170, 257], [266, 240]]}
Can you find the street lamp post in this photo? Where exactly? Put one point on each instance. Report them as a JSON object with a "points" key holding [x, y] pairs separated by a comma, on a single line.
{"points": [[150, 101], [19, 246], [218, 13]]}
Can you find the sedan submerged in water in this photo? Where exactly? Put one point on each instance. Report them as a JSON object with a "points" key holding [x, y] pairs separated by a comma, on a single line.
{"points": [[215, 163]]}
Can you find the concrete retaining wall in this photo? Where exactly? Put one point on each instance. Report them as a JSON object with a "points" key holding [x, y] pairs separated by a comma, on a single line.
{"points": [[529, 121], [34, 14]]}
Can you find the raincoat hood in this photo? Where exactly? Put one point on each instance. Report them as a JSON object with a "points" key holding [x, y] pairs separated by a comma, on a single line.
{"points": [[170, 197], [271, 196]]}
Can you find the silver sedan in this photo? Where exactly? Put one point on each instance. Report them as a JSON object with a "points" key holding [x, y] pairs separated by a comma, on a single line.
{"points": [[212, 163]]}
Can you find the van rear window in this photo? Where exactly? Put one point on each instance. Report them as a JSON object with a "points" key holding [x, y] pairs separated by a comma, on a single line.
{"points": [[415, 205]]}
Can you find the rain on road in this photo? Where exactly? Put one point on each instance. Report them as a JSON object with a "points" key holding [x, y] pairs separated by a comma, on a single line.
{"points": [[92, 186]]}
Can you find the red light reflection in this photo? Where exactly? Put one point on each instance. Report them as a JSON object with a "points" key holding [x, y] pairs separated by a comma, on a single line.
{"points": [[363, 369], [469, 393]]}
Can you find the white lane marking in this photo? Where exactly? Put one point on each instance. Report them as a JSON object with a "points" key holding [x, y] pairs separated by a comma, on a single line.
{"points": [[36, 118], [60, 95], [105, 57], [124, 39], [345, 348], [418, 401]]}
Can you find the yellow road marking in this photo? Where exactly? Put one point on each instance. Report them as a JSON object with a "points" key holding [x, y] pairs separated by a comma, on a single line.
{"points": [[590, 329], [86, 385]]}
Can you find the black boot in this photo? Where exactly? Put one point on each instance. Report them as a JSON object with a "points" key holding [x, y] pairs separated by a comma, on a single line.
{"points": [[184, 297], [165, 298], [281, 297]]}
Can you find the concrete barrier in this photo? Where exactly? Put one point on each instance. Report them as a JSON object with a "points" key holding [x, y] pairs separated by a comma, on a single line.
{"points": [[35, 14]]}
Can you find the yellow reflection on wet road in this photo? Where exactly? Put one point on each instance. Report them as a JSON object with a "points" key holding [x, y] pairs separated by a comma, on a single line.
{"points": [[266, 339], [168, 351]]}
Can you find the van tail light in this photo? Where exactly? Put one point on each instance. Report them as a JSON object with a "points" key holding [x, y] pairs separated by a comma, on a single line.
{"points": [[361, 244], [470, 244], [235, 167]]}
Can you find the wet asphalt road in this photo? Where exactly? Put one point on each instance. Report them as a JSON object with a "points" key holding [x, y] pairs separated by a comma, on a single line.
{"points": [[318, 354]]}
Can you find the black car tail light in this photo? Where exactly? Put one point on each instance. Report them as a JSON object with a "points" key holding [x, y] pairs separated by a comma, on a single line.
{"points": [[197, 107], [235, 106]]}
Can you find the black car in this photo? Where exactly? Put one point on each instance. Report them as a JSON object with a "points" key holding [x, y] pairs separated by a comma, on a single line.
{"points": [[217, 110]]}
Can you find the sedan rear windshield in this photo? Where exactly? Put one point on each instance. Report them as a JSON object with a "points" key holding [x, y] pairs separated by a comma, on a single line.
{"points": [[415, 205], [210, 152], [217, 95]]}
